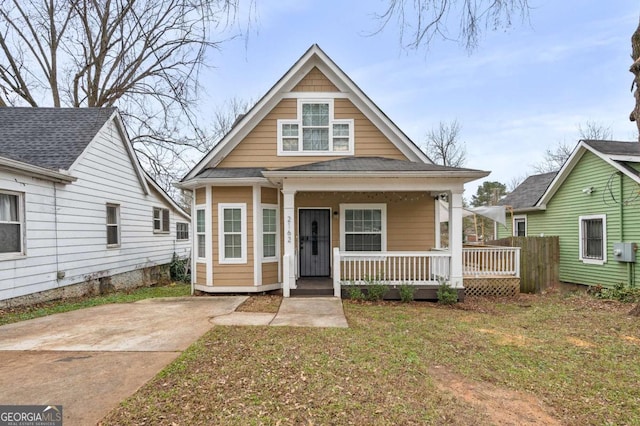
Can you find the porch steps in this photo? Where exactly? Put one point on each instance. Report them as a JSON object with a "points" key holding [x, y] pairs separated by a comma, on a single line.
{"points": [[311, 292]]}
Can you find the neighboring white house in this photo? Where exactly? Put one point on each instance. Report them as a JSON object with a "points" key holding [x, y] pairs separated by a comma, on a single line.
{"points": [[77, 212]]}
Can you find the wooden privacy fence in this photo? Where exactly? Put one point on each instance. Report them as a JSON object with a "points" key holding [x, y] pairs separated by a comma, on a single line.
{"points": [[539, 261]]}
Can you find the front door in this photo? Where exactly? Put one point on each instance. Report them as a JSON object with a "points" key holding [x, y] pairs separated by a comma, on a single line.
{"points": [[315, 242]]}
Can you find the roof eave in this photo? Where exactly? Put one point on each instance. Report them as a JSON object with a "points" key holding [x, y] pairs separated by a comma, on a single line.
{"points": [[475, 174], [36, 171], [199, 181]]}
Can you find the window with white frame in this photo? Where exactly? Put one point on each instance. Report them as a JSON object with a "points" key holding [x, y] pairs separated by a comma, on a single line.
{"points": [[113, 225], [315, 131], [269, 233], [11, 222], [160, 220], [593, 238], [182, 231], [520, 226], [363, 227], [232, 234], [200, 233]]}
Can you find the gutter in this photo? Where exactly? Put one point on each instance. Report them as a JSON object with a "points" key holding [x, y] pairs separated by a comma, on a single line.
{"points": [[37, 171]]}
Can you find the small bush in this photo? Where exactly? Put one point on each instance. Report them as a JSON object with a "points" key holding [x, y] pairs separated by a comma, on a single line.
{"points": [[446, 294], [620, 292], [178, 269], [355, 293], [407, 292], [376, 291]]}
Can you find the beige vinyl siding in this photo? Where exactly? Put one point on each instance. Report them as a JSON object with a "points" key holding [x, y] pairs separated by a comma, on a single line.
{"points": [[201, 196], [315, 81], [270, 273], [231, 274], [569, 203], [269, 195], [259, 148], [201, 273], [410, 216]]}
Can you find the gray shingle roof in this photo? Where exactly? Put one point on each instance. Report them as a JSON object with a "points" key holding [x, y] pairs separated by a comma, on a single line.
{"points": [[232, 173], [52, 138], [528, 193], [614, 147], [374, 164]]}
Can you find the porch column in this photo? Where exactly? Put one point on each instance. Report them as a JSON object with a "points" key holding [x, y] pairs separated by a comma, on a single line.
{"points": [[455, 239], [288, 258]]}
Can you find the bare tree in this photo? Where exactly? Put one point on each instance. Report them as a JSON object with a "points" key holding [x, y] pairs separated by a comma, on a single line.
{"points": [[142, 56], [594, 131], [635, 70], [422, 20], [443, 146], [514, 182]]}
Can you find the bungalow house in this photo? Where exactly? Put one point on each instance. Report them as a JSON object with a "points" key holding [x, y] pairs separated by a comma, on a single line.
{"points": [[316, 184], [592, 205], [77, 212]]}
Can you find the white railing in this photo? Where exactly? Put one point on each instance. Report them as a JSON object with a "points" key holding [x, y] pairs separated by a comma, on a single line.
{"points": [[494, 261], [418, 268]]}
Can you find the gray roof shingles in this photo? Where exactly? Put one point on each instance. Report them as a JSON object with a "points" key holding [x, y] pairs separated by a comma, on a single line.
{"points": [[376, 164], [52, 138], [614, 147], [528, 193], [231, 173]]}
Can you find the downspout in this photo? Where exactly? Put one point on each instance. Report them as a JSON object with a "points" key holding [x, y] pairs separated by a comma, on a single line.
{"points": [[59, 273], [630, 265]]}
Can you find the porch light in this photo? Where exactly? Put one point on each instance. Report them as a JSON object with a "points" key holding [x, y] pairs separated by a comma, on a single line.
{"points": [[336, 213]]}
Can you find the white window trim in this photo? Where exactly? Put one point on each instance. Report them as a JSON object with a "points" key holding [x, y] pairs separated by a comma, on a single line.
{"points": [[118, 224], [513, 225], [602, 261], [197, 234], [277, 255], [332, 121], [22, 223], [222, 260], [364, 206], [177, 233], [161, 210]]}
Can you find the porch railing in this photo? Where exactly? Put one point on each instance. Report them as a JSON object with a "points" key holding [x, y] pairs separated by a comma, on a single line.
{"points": [[418, 268], [491, 261]]}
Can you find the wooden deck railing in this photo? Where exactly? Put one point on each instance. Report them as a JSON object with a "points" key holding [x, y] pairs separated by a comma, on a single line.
{"points": [[491, 261]]}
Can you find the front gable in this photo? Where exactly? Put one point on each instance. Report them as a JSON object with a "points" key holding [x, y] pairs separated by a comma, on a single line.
{"points": [[314, 82]]}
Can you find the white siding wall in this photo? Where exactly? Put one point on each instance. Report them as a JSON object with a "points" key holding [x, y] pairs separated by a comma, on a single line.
{"points": [[105, 175]]}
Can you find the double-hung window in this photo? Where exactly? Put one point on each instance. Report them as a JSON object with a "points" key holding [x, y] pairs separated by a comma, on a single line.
{"points": [[200, 233], [11, 222], [363, 227], [182, 231], [520, 226], [269, 233], [113, 225], [593, 239], [315, 131], [160, 220], [232, 235]]}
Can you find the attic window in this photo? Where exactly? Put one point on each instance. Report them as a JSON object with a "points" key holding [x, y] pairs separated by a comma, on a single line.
{"points": [[315, 131]]}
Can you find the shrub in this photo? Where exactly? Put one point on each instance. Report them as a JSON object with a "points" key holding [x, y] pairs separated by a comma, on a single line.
{"points": [[619, 292], [376, 291], [407, 292], [355, 293], [446, 294], [178, 269]]}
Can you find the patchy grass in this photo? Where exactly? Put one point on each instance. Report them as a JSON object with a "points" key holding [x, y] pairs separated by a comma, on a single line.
{"points": [[575, 358], [21, 313], [269, 303]]}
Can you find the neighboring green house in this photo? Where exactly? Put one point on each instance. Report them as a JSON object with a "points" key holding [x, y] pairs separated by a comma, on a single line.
{"points": [[592, 204]]}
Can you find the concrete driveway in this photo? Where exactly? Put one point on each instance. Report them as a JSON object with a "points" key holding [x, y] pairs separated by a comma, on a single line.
{"points": [[91, 359]]}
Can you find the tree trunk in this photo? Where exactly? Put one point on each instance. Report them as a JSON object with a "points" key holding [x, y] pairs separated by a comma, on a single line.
{"points": [[635, 70]]}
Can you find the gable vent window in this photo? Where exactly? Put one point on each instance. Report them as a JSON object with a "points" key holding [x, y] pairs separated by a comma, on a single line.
{"points": [[160, 220], [315, 131]]}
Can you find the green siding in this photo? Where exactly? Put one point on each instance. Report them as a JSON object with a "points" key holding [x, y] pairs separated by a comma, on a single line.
{"points": [[561, 218]]}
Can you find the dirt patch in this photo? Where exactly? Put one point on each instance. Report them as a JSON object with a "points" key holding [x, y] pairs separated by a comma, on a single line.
{"points": [[502, 406], [267, 303]]}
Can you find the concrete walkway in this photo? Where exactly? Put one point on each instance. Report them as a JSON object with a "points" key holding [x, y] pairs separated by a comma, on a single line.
{"points": [[91, 359], [294, 312]]}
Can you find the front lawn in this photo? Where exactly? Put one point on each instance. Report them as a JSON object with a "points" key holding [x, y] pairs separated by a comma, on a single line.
{"points": [[537, 360]]}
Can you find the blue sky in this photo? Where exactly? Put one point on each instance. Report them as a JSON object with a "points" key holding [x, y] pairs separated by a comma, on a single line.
{"points": [[523, 90]]}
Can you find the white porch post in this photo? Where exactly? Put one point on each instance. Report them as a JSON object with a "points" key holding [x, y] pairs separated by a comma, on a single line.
{"points": [[455, 239], [288, 258]]}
